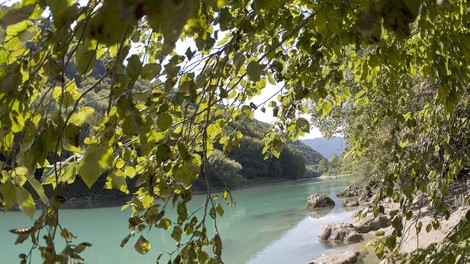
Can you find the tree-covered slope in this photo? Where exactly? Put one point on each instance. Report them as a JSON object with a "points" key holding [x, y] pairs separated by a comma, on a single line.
{"points": [[246, 164], [291, 164]]}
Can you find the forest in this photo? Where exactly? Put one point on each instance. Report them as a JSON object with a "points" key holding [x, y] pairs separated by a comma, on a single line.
{"points": [[392, 77]]}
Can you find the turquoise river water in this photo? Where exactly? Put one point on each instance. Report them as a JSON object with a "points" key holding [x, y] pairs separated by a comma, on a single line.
{"points": [[266, 225]]}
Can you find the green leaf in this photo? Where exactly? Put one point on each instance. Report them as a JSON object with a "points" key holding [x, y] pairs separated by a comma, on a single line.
{"points": [[186, 174], [163, 152], [182, 212], [8, 194], [125, 240], [334, 27], [164, 121], [226, 194], [379, 233], [142, 245], [85, 61], [176, 234], [327, 107], [16, 14], [224, 40], [38, 188], [428, 227], [83, 114], [253, 71], [25, 201], [321, 21], [68, 96], [278, 146], [130, 172], [107, 25], [171, 21], [219, 209], [303, 125], [213, 131], [150, 71], [58, 7], [360, 94], [391, 242], [16, 117], [222, 3], [217, 248], [164, 223], [134, 67], [53, 70], [96, 160]]}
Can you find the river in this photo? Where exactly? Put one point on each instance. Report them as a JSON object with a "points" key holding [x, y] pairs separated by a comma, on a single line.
{"points": [[266, 225]]}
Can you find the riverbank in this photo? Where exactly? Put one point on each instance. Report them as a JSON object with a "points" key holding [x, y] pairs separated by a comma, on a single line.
{"points": [[119, 199], [416, 233]]}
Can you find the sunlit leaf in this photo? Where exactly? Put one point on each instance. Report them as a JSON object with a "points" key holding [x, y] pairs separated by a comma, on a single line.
{"points": [[221, 3], [25, 201], [142, 245], [84, 114], [96, 160]]}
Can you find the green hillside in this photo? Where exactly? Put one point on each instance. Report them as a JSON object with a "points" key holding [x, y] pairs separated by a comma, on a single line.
{"points": [[247, 165]]}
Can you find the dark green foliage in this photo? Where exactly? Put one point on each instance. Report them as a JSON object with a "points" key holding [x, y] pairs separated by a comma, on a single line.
{"points": [[224, 172], [291, 164], [252, 160]]}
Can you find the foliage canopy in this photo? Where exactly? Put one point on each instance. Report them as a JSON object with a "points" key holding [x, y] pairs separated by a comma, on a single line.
{"points": [[394, 72]]}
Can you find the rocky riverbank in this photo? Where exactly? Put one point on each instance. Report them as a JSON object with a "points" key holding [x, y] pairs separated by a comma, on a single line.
{"points": [[364, 227]]}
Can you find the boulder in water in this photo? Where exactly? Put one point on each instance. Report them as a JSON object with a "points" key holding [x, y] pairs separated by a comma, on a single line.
{"points": [[348, 257], [339, 233], [350, 191], [319, 200], [350, 202]]}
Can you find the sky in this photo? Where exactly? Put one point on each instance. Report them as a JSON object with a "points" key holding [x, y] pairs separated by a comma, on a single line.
{"points": [[267, 117]]}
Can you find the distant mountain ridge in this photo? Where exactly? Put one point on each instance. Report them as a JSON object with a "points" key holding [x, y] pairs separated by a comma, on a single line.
{"points": [[326, 147]]}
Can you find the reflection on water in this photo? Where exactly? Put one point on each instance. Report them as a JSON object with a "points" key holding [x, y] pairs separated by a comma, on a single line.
{"points": [[319, 213], [266, 225]]}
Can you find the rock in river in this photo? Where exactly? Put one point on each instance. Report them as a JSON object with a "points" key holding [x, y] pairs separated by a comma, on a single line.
{"points": [[350, 202], [339, 233], [369, 222], [348, 257], [319, 200], [350, 191]]}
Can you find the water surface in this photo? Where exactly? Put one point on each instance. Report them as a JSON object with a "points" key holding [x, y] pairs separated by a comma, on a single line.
{"points": [[266, 225]]}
